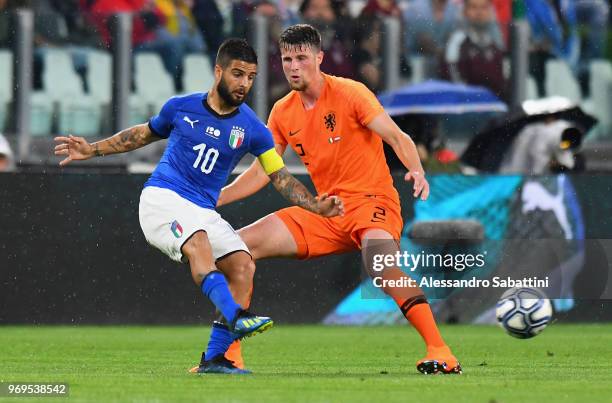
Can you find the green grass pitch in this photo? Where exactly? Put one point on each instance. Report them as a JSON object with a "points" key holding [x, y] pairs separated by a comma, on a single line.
{"points": [[312, 363]]}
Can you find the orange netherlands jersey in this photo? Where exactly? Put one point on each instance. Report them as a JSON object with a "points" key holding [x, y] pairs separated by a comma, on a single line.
{"points": [[341, 154]]}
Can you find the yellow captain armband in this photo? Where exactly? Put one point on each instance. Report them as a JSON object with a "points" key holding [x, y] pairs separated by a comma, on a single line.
{"points": [[271, 161]]}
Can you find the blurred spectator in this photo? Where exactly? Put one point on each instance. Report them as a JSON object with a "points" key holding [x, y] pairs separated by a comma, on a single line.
{"points": [[542, 148], [226, 18], [278, 86], [166, 27], [241, 11], [503, 13], [344, 23], [425, 131], [80, 32], [221, 19], [554, 34], [7, 162], [368, 63], [6, 6], [474, 53], [429, 24], [176, 38], [321, 15], [51, 30], [592, 17], [289, 11], [212, 24], [5, 21], [389, 9], [381, 8], [147, 17]]}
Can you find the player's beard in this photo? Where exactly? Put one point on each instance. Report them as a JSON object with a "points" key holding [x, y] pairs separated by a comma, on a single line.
{"points": [[226, 95], [301, 85]]}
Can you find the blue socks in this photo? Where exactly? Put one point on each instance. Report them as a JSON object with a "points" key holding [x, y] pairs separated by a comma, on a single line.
{"points": [[219, 342], [215, 287]]}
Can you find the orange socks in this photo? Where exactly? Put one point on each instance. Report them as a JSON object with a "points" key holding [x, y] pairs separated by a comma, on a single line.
{"points": [[422, 319], [234, 353], [414, 306]]}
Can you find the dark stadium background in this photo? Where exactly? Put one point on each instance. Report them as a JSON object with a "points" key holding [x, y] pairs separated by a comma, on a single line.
{"points": [[72, 252]]}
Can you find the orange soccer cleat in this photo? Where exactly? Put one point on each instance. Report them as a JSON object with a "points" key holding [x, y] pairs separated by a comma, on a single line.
{"points": [[439, 360]]}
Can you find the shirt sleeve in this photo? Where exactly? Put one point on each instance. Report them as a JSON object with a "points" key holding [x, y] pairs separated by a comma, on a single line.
{"points": [[261, 140], [365, 104], [162, 123], [277, 134]]}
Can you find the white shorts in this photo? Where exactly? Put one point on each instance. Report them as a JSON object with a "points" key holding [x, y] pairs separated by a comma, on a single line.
{"points": [[168, 221]]}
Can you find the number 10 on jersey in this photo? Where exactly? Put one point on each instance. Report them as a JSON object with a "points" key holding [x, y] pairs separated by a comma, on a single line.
{"points": [[209, 159]]}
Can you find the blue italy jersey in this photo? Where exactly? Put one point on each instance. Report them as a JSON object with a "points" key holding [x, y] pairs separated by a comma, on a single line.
{"points": [[203, 146]]}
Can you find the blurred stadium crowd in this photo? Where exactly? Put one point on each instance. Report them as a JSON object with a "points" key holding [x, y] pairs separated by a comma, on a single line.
{"points": [[175, 42]]}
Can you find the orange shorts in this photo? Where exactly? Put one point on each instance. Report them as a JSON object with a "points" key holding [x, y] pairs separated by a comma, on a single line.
{"points": [[318, 236]]}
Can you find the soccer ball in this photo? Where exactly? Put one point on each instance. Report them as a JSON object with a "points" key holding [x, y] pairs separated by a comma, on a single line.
{"points": [[523, 312]]}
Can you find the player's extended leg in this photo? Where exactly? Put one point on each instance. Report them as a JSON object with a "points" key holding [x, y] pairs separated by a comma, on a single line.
{"points": [[412, 303], [266, 237], [242, 269], [269, 237], [198, 252], [213, 284]]}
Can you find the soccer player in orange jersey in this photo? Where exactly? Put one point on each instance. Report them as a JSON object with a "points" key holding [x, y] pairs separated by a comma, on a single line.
{"points": [[337, 127]]}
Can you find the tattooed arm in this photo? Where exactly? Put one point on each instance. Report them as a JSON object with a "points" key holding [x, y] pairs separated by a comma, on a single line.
{"points": [[77, 148], [295, 192]]}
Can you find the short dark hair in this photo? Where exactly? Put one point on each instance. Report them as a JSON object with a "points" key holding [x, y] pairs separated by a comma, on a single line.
{"points": [[235, 49], [300, 35]]}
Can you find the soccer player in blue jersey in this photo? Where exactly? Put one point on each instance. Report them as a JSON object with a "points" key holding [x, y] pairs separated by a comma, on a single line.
{"points": [[208, 134]]}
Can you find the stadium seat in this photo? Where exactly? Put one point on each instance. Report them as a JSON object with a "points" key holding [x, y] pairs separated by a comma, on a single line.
{"points": [[139, 112], [417, 63], [560, 81], [532, 89], [79, 113], [199, 75], [100, 80], [3, 113], [6, 78], [6, 85], [59, 78], [99, 75], [41, 119], [80, 116], [153, 83], [601, 92]]}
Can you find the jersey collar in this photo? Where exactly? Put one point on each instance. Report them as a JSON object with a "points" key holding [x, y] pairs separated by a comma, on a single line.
{"points": [[214, 113]]}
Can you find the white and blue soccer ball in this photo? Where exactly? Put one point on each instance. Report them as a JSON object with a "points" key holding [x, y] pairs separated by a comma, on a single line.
{"points": [[523, 312]]}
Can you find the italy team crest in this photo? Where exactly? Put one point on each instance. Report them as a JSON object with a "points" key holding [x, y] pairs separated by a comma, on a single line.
{"points": [[236, 137]]}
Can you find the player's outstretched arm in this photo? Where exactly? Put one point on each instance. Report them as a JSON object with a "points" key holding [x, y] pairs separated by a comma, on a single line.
{"points": [[405, 149], [294, 191], [77, 148], [251, 181]]}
